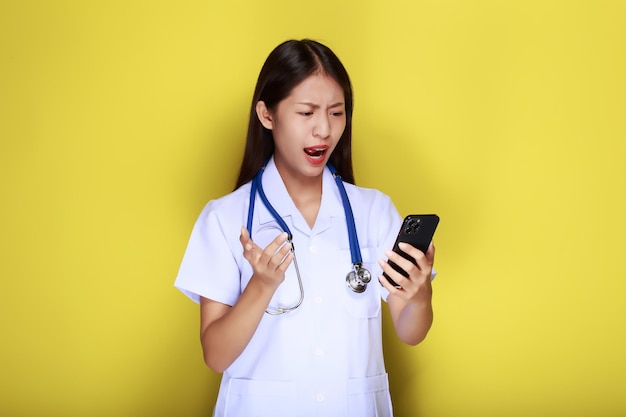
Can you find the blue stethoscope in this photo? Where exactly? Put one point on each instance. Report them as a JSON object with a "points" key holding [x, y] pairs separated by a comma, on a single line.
{"points": [[356, 279]]}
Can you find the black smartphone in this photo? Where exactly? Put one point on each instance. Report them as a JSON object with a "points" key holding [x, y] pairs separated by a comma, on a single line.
{"points": [[416, 230]]}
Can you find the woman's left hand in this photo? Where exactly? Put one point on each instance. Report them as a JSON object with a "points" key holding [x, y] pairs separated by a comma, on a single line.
{"points": [[410, 305], [416, 288]]}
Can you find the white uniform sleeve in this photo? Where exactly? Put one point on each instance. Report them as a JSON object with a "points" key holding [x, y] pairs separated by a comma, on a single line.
{"points": [[209, 267]]}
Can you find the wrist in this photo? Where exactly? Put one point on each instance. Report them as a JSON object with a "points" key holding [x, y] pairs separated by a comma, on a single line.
{"points": [[261, 288]]}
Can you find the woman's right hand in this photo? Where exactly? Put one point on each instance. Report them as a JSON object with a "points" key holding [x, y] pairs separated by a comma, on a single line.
{"points": [[226, 330], [269, 264]]}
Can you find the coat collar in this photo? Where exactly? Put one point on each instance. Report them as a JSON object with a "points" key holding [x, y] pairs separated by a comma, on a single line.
{"points": [[276, 192]]}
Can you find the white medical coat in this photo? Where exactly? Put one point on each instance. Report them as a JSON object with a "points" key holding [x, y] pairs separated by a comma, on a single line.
{"points": [[324, 358]]}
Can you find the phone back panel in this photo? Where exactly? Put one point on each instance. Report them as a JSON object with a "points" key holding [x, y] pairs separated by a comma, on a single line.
{"points": [[417, 230]]}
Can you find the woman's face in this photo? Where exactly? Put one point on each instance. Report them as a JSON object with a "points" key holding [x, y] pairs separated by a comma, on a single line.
{"points": [[306, 126]]}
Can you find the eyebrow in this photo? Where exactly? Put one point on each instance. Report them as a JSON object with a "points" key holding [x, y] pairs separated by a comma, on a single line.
{"points": [[317, 106]]}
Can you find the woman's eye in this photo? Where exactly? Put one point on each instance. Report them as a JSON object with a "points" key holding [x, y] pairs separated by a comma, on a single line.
{"points": [[306, 113], [337, 113]]}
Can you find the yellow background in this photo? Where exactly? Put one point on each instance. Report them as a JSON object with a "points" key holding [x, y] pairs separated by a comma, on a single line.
{"points": [[120, 119]]}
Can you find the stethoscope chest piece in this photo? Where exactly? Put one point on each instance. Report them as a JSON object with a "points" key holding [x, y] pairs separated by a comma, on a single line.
{"points": [[358, 278]]}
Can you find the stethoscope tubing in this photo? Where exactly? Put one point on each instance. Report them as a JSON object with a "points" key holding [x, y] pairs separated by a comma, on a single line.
{"points": [[354, 277], [355, 251], [257, 187]]}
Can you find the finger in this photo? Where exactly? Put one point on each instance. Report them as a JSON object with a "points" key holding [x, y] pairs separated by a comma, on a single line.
{"points": [[416, 254], [247, 244], [285, 262], [275, 251], [385, 283], [396, 276], [281, 255], [405, 264], [275, 244], [245, 240], [251, 250], [430, 254], [399, 291]]}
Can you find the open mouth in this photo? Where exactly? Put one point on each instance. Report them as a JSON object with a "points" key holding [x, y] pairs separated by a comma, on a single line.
{"points": [[316, 152]]}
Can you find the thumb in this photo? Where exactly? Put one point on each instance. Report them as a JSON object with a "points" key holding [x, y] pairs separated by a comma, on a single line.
{"points": [[245, 240]]}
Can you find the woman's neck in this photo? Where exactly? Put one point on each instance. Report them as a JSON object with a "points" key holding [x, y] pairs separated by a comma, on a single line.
{"points": [[306, 194]]}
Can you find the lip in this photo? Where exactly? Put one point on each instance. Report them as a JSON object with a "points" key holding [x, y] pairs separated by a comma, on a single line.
{"points": [[316, 155]]}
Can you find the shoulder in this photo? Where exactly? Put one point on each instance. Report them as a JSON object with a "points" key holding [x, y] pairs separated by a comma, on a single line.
{"points": [[231, 200], [369, 198], [373, 207], [229, 207]]}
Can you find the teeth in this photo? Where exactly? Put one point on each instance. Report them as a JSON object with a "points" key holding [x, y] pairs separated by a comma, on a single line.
{"points": [[315, 151]]}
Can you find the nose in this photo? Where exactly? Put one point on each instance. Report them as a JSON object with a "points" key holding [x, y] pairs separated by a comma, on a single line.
{"points": [[322, 127]]}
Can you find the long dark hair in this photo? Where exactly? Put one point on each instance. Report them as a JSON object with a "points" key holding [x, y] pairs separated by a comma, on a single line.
{"points": [[288, 65]]}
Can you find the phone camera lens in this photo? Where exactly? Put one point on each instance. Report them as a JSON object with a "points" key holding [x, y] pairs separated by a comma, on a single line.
{"points": [[412, 225]]}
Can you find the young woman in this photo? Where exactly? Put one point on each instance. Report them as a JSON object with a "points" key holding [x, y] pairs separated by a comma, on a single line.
{"points": [[268, 263]]}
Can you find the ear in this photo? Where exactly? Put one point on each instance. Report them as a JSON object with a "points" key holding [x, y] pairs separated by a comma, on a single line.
{"points": [[264, 115]]}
